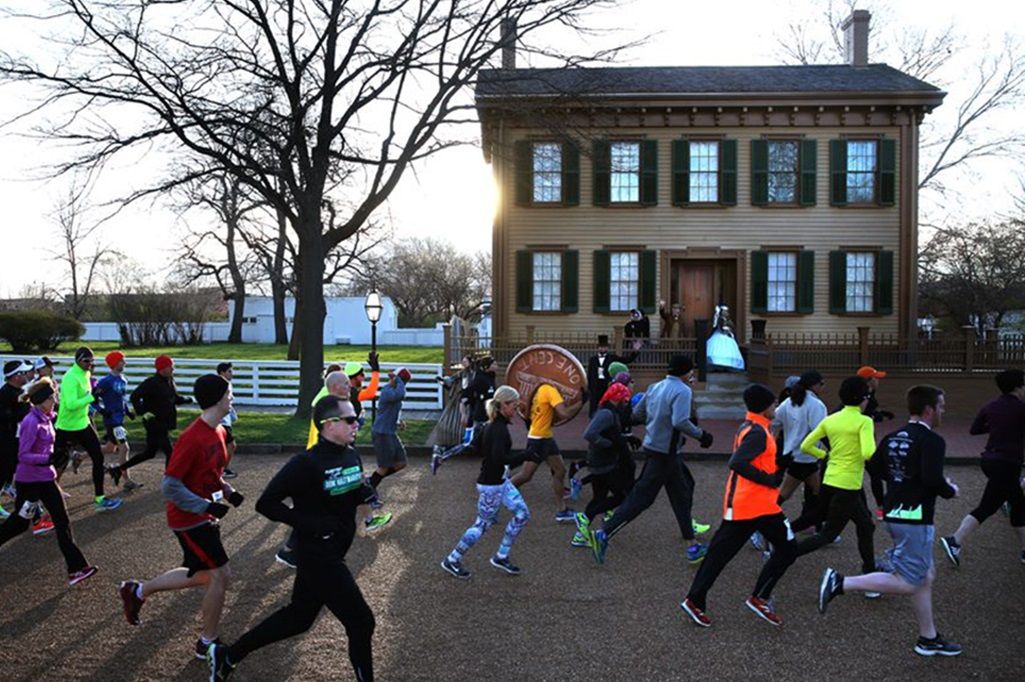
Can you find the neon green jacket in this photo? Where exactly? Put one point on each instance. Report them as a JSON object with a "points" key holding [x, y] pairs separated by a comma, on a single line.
{"points": [[852, 442], [75, 399]]}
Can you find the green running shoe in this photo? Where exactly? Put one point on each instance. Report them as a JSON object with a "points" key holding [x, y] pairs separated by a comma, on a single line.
{"points": [[700, 528], [580, 540], [378, 521]]}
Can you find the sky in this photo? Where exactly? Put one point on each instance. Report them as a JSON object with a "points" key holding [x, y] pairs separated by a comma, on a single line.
{"points": [[452, 196]]}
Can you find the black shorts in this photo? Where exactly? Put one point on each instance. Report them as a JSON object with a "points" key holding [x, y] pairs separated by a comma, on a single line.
{"points": [[202, 548], [229, 436], [802, 470], [109, 436], [540, 449]]}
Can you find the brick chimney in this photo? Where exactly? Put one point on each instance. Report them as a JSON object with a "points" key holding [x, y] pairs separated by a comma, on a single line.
{"points": [[855, 29], [507, 41]]}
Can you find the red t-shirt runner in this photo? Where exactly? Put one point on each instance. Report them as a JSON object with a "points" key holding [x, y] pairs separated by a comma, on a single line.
{"points": [[198, 461]]}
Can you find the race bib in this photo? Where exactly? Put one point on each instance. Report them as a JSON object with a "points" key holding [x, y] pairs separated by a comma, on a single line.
{"points": [[217, 496], [28, 510], [120, 433]]}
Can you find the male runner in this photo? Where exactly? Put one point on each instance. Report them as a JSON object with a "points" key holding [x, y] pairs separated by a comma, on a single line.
{"points": [[911, 459], [112, 395], [196, 496], [545, 406], [326, 486], [227, 372], [388, 447]]}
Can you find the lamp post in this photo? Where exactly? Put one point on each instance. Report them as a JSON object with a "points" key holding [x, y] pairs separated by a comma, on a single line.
{"points": [[373, 308]]}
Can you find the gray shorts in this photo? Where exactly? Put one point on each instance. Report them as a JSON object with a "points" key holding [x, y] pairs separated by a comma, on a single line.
{"points": [[911, 556], [389, 449]]}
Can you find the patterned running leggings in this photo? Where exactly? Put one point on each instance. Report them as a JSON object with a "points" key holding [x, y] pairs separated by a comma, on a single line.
{"points": [[491, 499]]}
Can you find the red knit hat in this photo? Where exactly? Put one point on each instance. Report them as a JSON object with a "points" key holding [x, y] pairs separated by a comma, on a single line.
{"points": [[404, 374], [615, 393], [162, 362], [113, 358]]}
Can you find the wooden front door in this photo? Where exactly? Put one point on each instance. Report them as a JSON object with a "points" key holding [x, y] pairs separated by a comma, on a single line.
{"points": [[699, 285]]}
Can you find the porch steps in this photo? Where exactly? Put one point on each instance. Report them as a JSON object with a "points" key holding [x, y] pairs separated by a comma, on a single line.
{"points": [[722, 396]]}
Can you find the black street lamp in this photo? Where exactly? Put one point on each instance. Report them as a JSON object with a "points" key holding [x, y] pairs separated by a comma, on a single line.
{"points": [[373, 308]]}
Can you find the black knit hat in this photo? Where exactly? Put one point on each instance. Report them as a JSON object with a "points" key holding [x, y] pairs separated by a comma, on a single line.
{"points": [[679, 365], [811, 378], [209, 389], [853, 390], [757, 398]]}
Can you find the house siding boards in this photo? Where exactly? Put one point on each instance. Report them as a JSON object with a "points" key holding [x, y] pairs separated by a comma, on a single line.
{"points": [[666, 228]]}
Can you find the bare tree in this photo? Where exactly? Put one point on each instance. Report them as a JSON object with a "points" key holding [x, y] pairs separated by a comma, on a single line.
{"points": [[362, 89], [82, 254]]}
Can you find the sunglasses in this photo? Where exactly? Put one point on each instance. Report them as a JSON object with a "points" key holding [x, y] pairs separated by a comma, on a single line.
{"points": [[350, 420]]}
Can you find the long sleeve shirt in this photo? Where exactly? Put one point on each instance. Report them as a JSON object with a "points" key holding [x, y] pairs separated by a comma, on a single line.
{"points": [[158, 396], [604, 436], [194, 473], [852, 443], [112, 391], [389, 406], [665, 412], [797, 421], [911, 458], [12, 411], [76, 395], [495, 447], [35, 445], [1004, 420]]}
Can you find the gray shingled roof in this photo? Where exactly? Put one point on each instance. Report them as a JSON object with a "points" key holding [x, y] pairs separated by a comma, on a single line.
{"points": [[700, 80]]}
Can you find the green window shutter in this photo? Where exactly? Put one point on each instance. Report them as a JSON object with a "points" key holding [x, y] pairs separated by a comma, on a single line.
{"points": [[887, 172], [759, 281], [681, 172], [806, 282], [524, 172], [570, 174], [759, 172], [602, 173], [728, 172], [649, 172], [649, 282], [570, 281], [838, 172], [524, 281], [809, 164], [837, 282], [602, 281], [884, 283]]}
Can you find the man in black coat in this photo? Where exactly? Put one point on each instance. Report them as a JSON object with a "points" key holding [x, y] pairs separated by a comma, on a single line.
{"points": [[598, 378]]}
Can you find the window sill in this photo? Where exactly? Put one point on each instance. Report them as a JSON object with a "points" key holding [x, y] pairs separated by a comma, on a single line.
{"points": [[554, 204], [624, 205], [862, 206], [861, 314], [783, 206], [783, 314], [705, 205], [545, 313]]}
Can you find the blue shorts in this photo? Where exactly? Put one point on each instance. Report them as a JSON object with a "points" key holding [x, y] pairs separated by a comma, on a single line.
{"points": [[911, 555]]}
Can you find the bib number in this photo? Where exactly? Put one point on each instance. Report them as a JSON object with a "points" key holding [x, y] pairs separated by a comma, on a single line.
{"points": [[120, 433]]}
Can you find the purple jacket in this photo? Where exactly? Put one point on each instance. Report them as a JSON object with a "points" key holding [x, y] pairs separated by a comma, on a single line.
{"points": [[35, 445]]}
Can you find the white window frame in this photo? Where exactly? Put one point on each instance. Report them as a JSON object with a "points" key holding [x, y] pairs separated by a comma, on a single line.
{"points": [[546, 164], [862, 171], [777, 175], [624, 280], [859, 295], [782, 282], [703, 175], [625, 172], [546, 275]]}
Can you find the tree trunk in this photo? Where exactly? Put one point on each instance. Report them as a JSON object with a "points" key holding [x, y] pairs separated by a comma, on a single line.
{"points": [[293, 344], [239, 296], [277, 285], [311, 300]]}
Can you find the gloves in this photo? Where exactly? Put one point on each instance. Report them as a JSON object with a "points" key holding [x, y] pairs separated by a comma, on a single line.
{"points": [[706, 439], [634, 442], [217, 509], [375, 366], [236, 498]]}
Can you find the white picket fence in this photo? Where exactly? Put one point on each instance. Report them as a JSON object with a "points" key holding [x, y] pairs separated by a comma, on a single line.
{"points": [[266, 382]]}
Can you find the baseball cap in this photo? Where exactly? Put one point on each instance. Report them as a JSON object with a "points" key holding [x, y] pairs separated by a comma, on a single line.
{"points": [[867, 372], [13, 367], [42, 362]]}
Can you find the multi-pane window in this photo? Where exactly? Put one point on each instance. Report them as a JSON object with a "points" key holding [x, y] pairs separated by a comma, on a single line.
{"points": [[624, 280], [861, 277], [861, 171], [782, 283], [625, 166], [704, 171], [547, 172], [547, 281], [783, 171]]}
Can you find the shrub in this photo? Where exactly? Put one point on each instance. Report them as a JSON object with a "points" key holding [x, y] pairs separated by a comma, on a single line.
{"points": [[31, 330]]}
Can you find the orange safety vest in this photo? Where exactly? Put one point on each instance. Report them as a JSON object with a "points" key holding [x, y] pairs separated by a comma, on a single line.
{"points": [[744, 498]]}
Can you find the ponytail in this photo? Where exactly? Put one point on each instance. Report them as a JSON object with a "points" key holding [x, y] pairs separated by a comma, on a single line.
{"points": [[503, 394], [798, 393]]}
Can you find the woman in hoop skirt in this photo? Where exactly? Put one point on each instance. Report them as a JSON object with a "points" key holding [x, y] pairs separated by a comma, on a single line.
{"points": [[722, 349]]}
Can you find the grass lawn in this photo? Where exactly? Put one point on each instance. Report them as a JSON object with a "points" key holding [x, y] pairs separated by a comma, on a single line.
{"points": [[257, 351], [265, 427]]}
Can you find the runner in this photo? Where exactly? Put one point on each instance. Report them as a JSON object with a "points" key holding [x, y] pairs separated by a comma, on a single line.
{"points": [[196, 496], [74, 427], [12, 411], [326, 485], [1003, 419], [227, 372], [750, 504], [665, 411], [481, 390], [35, 479], [911, 458], [493, 488], [112, 403], [851, 444], [872, 376], [545, 406], [391, 453], [156, 401]]}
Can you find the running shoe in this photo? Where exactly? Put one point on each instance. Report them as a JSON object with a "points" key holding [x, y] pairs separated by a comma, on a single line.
{"points": [[377, 522], [504, 564], [228, 473], [79, 576], [700, 528], [43, 527], [567, 515], [583, 523], [951, 549], [608, 515], [455, 568], [575, 488], [937, 646], [131, 486], [579, 540], [435, 460], [599, 544], [873, 595], [220, 667], [202, 648], [115, 474], [696, 614], [764, 610], [129, 591], [8, 492], [287, 557], [830, 587], [758, 541], [696, 553], [105, 504]]}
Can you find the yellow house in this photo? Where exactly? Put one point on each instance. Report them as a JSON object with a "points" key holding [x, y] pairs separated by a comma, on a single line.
{"points": [[788, 193]]}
